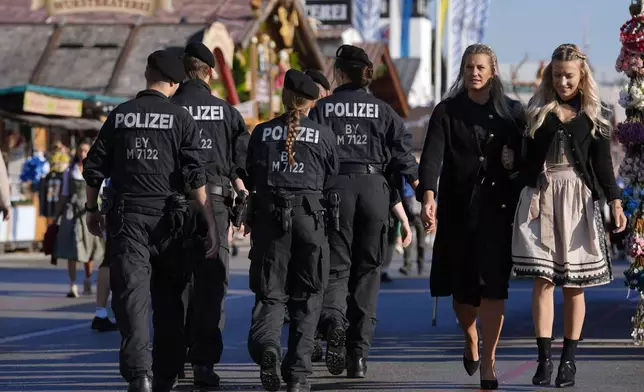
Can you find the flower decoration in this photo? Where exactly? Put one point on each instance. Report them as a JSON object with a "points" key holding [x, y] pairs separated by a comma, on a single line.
{"points": [[630, 63], [630, 132], [632, 34], [632, 95]]}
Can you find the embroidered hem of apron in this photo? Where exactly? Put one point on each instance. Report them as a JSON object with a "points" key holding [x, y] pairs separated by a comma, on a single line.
{"points": [[536, 239]]}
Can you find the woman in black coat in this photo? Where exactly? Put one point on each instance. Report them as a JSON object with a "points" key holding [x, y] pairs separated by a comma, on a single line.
{"points": [[469, 144]]}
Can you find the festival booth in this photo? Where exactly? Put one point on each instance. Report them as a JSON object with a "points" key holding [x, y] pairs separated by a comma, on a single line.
{"points": [[33, 120], [277, 38], [253, 46]]}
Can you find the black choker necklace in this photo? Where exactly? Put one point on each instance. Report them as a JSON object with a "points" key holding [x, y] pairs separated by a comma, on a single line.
{"points": [[575, 101]]}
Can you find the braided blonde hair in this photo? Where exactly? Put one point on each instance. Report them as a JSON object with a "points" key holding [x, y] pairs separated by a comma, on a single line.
{"points": [[294, 104], [545, 100]]}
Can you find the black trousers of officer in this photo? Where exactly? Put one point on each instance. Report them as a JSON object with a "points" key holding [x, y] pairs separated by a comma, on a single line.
{"points": [[137, 270], [357, 252], [206, 318], [288, 268]]}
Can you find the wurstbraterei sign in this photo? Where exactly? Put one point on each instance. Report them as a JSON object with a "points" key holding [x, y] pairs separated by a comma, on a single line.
{"points": [[137, 7]]}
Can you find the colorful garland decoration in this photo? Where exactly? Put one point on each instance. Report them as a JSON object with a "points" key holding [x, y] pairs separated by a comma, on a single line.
{"points": [[631, 134]]}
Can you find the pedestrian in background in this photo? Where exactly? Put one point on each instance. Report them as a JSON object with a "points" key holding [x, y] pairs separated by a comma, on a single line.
{"points": [[5, 191], [74, 242], [412, 210]]}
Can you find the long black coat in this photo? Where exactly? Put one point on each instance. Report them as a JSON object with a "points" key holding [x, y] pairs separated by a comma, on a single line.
{"points": [[473, 241]]}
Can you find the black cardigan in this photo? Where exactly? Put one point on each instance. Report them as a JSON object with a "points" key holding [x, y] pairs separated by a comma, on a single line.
{"points": [[451, 147], [592, 155]]}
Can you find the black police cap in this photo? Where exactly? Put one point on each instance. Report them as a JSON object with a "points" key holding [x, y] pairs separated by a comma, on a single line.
{"points": [[301, 84], [168, 64], [353, 54], [201, 52], [318, 78]]}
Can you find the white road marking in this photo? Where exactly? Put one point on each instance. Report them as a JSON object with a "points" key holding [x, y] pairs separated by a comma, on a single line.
{"points": [[52, 331]]}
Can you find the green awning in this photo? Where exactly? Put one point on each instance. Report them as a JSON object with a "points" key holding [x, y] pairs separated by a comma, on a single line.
{"points": [[63, 93]]}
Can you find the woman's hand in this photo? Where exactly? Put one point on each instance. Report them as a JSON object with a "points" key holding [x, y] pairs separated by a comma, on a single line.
{"points": [[428, 213], [507, 158], [618, 216]]}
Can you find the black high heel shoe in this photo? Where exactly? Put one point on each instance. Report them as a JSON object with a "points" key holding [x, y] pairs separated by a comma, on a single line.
{"points": [[543, 375], [489, 384], [566, 374], [470, 365]]}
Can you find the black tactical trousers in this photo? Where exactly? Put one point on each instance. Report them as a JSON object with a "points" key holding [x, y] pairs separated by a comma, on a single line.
{"points": [[357, 252], [287, 268], [206, 315], [138, 269]]}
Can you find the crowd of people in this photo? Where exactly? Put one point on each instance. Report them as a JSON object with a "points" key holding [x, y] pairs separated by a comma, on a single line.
{"points": [[319, 189]]}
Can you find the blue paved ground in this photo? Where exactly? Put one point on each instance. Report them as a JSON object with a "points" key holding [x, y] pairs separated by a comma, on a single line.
{"points": [[46, 343]]}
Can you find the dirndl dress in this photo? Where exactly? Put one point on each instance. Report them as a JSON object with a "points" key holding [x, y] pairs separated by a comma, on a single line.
{"points": [[558, 230], [74, 241]]}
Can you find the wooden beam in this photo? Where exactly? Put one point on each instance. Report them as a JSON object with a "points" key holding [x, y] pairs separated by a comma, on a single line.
{"points": [[309, 36], [398, 89], [52, 44], [122, 59]]}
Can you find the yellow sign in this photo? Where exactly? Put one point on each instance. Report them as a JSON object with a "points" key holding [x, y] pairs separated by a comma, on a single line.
{"points": [[139, 7], [43, 104]]}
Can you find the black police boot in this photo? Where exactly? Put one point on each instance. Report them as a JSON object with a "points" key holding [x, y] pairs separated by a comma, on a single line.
{"points": [[543, 375], [270, 368], [163, 384], [140, 384], [299, 386], [317, 348], [567, 368], [205, 376], [357, 368], [336, 352]]}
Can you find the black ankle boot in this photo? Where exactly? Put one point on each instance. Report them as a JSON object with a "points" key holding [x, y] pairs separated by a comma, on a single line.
{"points": [[205, 377], [141, 384], [567, 368], [543, 375], [317, 354], [270, 368], [336, 352]]}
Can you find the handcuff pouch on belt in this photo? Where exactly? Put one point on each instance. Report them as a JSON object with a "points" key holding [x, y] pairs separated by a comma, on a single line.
{"points": [[175, 214], [108, 200], [239, 210], [334, 200], [283, 204]]}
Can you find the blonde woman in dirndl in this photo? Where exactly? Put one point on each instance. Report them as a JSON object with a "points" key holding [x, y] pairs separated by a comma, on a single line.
{"points": [[559, 238]]}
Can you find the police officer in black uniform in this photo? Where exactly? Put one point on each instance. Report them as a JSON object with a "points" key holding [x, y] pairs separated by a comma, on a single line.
{"points": [[321, 80], [149, 148], [291, 161], [324, 85], [373, 145], [223, 142]]}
